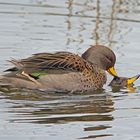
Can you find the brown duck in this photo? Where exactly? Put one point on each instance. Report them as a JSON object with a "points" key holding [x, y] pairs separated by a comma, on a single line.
{"points": [[62, 70], [122, 82]]}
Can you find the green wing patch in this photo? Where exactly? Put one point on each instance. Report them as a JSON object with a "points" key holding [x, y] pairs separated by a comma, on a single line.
{"points": [[36, 75]]}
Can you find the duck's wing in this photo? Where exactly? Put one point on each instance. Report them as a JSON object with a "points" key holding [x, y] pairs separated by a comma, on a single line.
{"points": [[32, 61], [57, 61], [47, 62]]}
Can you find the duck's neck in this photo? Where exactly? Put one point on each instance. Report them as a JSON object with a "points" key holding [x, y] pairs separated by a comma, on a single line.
{"points": [[94, 61]]}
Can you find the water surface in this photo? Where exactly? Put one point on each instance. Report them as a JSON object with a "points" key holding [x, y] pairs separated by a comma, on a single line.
{"points": [[33, 26]]}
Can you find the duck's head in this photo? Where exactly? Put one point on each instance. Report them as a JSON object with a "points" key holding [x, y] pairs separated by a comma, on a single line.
{"points": [[101, 56], [123, 81]]}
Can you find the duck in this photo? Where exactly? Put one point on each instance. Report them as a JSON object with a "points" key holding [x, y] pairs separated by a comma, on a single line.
{"points": [[64, 71], [123, 82]]}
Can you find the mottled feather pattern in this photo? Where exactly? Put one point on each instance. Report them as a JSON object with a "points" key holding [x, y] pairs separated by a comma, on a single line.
{"points": [[64, 61], [93, 77]]}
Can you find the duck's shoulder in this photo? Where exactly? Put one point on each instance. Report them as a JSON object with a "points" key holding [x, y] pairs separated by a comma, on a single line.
{"points": [[66, 61]]}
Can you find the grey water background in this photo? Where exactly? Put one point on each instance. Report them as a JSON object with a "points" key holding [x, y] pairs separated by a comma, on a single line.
{"points": [[33, 26]]}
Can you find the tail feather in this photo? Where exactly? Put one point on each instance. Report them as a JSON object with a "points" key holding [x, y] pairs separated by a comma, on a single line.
{"points": [[16, 63], [12, 69]]}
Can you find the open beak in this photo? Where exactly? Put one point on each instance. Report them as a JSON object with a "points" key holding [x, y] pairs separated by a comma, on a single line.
{"points": [[112, 72], [132, 80]]}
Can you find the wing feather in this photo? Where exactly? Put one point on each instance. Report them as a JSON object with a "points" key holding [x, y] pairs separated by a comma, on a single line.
{"points": [[48, 61]]}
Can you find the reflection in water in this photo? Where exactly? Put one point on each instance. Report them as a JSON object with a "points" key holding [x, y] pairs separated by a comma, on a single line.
{"points": [[61, 108], [96, 31], [70, 4], [42, 108], [129, 89], [100, 127], [96, 136], [113, 21], [101, 27]]}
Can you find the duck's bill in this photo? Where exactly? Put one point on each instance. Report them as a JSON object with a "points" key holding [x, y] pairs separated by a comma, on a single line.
{"points": [[130, 81], [112, 72]]}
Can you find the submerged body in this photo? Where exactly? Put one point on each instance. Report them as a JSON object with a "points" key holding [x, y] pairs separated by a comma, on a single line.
{"points": [[61, 71]]}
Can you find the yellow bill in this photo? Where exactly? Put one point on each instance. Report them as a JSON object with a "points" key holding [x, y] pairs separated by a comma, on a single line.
{"points": [[132, 80], [112, 72]]}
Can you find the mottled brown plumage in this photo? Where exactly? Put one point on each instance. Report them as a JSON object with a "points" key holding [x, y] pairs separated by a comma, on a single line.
{"points": [[62, 70]]}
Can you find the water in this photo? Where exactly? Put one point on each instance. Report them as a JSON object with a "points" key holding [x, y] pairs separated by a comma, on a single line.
{"points": [[33, 26]]}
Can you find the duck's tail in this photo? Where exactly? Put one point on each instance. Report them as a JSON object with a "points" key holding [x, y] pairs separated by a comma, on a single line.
{"points": [[17, 64]]}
